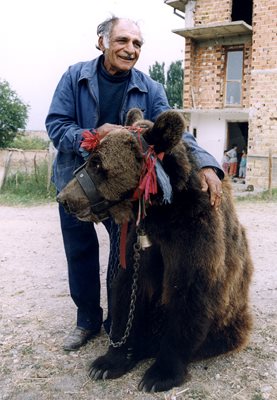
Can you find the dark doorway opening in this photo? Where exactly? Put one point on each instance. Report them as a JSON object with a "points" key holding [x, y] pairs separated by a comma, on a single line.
{"points": [[237, 134], [242, 11]]}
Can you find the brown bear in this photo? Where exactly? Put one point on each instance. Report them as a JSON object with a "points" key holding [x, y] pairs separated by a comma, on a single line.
{"points": [[184, 292]]}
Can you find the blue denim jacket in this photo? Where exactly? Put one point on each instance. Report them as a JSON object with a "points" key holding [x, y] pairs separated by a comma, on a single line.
{"points": [[75, 108]]}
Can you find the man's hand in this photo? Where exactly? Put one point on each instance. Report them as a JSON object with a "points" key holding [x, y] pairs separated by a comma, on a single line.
{"points": [[211, 182], [103, 130]]}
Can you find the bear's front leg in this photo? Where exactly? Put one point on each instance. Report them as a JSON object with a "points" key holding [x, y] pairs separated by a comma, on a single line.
{"points": [[166, 373], [115, 363], [121, 355], [187, 323]]}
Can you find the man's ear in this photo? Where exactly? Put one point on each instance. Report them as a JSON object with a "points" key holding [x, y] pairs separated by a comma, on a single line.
{"points": [[167, 131], [101, 44]]}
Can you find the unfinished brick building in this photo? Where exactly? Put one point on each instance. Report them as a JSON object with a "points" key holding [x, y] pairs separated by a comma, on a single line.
{"points": [[230, 84]]}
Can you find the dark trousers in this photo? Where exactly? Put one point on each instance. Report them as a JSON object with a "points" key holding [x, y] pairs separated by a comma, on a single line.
{"points": [[82, 253]]}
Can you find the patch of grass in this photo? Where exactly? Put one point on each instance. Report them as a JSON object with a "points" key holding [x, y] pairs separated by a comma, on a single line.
{"points": [[28, 188], [28, 350], [260, 197], [257, 396], [29, 143]]}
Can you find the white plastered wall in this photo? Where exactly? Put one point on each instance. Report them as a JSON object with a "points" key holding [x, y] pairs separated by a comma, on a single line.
{"points": [[210, 133], [211, 130]]}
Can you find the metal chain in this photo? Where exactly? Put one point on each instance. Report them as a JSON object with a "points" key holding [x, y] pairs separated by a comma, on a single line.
{"points": [[136, 257], [114, 264]]}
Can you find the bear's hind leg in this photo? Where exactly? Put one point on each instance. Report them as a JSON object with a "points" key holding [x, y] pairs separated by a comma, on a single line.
{"points": [[232, 338]]}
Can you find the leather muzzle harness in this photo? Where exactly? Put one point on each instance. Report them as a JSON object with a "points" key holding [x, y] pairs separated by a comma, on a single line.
{"points": [[99, 205]]}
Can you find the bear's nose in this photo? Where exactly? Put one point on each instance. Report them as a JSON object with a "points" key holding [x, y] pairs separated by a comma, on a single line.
{"points": [[59, 198], [64, 203]]}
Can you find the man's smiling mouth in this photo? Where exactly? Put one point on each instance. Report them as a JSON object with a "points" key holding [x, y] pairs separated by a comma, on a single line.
{"points": [[127, 58]]}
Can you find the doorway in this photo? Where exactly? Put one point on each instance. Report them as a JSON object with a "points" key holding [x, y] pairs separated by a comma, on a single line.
{"points": [[237, 133]]}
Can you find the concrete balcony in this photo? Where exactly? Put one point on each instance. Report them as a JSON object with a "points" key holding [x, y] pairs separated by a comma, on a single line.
{"points": [[177, 4], [214, 31]]}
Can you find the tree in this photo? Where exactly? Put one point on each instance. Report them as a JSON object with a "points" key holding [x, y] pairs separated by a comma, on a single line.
{"points": [[172, 81], [157, 72], [13, 114], [174, 84]]}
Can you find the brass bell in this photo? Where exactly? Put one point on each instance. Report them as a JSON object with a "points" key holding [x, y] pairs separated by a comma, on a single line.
{"points": [[144, 241]]}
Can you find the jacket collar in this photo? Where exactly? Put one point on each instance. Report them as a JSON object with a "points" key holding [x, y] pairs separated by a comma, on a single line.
{"points": [[89, 72], [136, 81]]}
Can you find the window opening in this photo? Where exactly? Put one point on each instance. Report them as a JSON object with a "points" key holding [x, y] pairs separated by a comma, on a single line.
{"points": [[242, 11], [234, 74]]}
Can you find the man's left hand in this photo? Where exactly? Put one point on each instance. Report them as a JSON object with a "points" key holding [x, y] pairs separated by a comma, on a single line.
{"points": [[211, 183]]}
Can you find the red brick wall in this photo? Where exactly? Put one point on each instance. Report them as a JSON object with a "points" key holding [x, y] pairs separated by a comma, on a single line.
{"points": [[205, 75], [212, 11], [264, 34], [188, 73], [263, 92]]}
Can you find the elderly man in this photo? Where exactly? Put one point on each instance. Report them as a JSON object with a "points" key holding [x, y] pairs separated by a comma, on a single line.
{"points": [[96, 95]]}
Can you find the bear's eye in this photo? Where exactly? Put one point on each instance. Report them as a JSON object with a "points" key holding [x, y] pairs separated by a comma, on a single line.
{"points": [[95, 166], [94, 163]]}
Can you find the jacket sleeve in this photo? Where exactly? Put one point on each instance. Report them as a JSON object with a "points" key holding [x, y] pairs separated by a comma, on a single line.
{"points": [[203, 158], [159, 102], [61, 119]]}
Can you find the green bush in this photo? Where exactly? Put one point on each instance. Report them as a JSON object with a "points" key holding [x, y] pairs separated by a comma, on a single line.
{"points": [[28, 188], [13, 114]]}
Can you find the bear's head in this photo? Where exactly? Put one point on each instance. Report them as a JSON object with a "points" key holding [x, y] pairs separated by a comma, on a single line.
{"points": [[110, 181]]}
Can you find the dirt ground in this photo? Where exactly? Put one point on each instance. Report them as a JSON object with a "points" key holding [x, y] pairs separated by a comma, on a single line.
{"points": [[36, 312]]}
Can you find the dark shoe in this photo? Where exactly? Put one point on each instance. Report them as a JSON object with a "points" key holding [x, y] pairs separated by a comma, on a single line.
{"points": [[77, 338]]}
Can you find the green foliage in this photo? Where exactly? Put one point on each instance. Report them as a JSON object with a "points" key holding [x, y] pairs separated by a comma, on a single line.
{"points": [[172, 81], [157, 72], [28, 188], [29, 143], [174, 84], [13, 114], [258, 396]]}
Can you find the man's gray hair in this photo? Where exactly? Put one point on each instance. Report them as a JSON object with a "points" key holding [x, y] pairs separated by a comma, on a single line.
{"points": [[105, 28]]}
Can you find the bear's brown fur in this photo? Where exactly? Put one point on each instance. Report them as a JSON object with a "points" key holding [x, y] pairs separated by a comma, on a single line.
{"points": [[186, 296]]}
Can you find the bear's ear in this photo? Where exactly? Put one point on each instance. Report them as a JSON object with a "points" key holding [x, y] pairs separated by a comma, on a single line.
{"points": [[133, 115], [166, 132]]}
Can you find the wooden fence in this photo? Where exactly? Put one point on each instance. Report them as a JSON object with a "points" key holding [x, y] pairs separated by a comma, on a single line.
{"points": [[13, 161]]}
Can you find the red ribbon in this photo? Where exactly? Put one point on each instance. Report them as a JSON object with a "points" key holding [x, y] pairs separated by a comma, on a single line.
{"points": [[123, 240], [90, 140], [148, 182]]}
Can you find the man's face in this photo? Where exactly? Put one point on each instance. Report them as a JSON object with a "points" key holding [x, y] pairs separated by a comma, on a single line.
{"points": [[124, 47]]}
